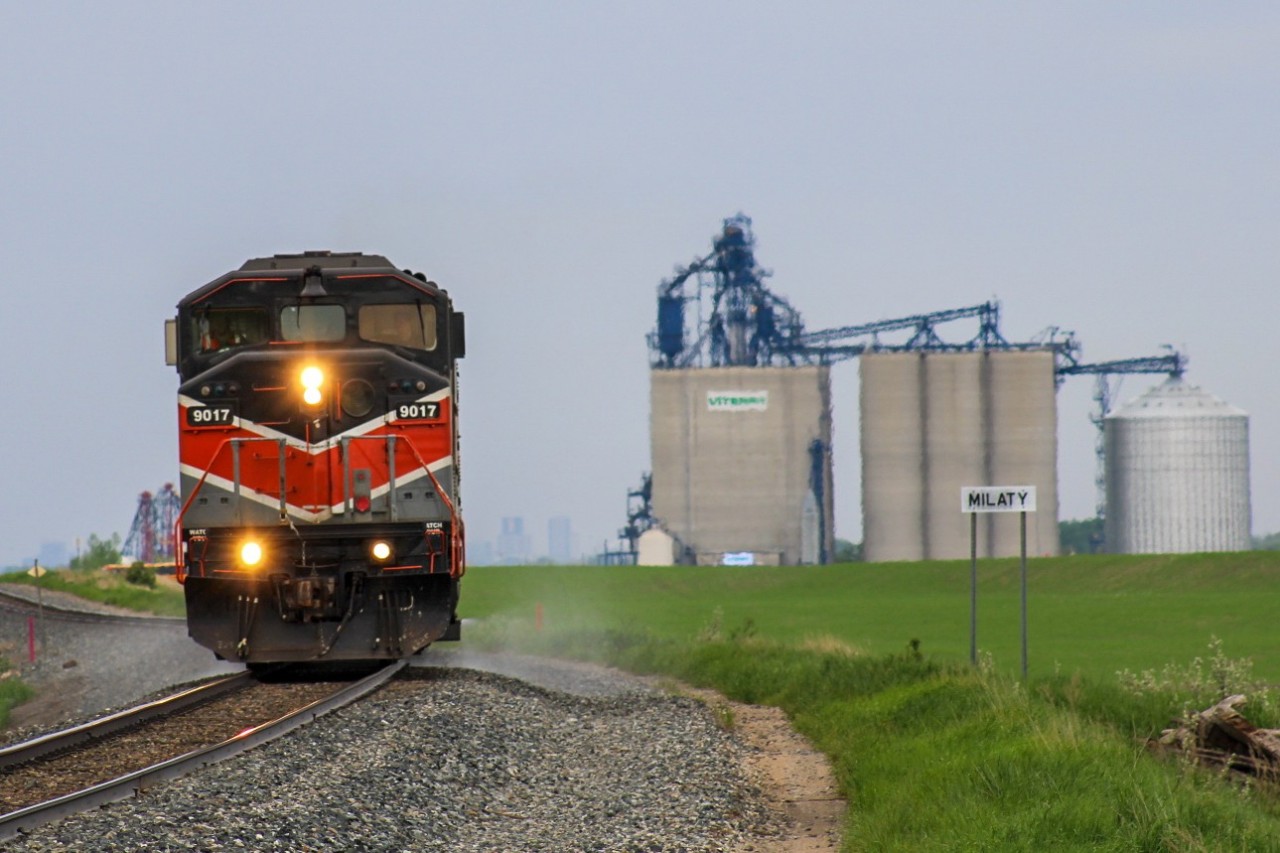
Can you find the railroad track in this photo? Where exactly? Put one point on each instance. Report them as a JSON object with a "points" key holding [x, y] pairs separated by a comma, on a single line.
{"points": [[14, 602], [114, 758]]}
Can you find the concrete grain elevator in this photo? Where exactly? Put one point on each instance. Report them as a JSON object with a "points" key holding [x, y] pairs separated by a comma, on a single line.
{"points": [[739, 462], [934, 422], [740, 424], [741, 434]]}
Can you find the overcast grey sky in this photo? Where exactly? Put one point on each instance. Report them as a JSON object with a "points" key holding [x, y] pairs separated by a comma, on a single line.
{"points": [[1101, 167]]}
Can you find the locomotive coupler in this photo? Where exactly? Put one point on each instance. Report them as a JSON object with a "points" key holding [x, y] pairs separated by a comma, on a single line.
{"points": [[309, 599]]}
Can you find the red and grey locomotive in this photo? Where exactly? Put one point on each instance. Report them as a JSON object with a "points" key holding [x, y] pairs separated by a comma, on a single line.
{"points": [[318, 442]]}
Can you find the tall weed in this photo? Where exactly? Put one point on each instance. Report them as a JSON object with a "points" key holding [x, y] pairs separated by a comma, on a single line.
{"points": [[1205, 681]]}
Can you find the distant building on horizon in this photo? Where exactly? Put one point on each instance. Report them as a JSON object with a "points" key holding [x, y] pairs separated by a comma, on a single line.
{"points": [[560, 540], [514, 547]]}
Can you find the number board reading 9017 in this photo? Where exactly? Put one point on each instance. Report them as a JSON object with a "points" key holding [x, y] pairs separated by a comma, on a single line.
{"points": [[417, 411], [221, 415]]}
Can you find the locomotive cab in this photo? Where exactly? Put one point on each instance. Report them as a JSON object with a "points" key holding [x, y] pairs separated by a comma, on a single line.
{"points": [[319, 459]]}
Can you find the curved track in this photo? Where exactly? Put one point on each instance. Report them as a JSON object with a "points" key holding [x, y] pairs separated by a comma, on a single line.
{"points": [[92, 751], [13, 602]]}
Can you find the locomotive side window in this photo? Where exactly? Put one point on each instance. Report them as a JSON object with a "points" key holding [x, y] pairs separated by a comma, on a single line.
{"points": [[224, 328], [409, 325], [313, 323]]}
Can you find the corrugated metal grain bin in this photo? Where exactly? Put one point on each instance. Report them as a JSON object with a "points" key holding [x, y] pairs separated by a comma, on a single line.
{"points": [[1177, 474]]}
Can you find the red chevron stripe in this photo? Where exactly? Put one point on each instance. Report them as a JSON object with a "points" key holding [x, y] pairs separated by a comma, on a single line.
{"points": [[313, 476]]}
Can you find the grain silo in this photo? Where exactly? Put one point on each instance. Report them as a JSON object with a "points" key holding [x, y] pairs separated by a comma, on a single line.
{"points": [[734, 468], [741, 423], [741, 417], [1177, 477], [933, 422]]}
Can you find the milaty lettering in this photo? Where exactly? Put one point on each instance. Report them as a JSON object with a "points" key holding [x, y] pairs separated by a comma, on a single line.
{"points": [[997, 499]]}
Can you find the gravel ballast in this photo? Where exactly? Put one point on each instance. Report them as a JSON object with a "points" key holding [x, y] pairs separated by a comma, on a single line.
{"points": [[458, 760], [84, 668]]}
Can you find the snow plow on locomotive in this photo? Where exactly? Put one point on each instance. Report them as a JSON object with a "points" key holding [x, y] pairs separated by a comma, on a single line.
{"points": [[318, 445]]}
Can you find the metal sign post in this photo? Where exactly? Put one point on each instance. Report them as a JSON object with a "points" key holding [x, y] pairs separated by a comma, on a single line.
{"points": [[973, 588], [36, 572], [1022, 522], [976, 499]]}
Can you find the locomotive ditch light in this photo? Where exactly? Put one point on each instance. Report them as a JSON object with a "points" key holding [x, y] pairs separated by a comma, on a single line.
{"points": [[380, 551], [250, 554], [312, 378]]}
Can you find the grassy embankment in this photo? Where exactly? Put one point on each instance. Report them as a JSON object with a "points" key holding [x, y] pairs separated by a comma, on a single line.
{"points": [[94, 585], [165, 599], [933, 754]]}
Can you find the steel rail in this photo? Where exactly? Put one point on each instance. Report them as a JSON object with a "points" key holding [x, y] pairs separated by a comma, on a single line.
{"points": [[20, 753], [130, 784]]}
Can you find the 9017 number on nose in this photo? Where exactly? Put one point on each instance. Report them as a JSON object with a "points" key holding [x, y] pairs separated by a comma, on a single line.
{"points": [[418, 411], [211, 416]]}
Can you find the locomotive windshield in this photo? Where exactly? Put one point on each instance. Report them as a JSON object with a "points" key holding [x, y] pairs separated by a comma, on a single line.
{"points": [[220, 329], [411, 326], [365, 310], [313, 323]]}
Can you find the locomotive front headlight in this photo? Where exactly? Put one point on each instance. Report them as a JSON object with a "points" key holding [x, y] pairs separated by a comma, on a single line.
{"points": [[381, 551], [250, 554], [312, 378]]}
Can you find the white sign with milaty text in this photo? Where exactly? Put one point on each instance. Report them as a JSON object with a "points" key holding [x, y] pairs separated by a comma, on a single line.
{"points": [[997, 498]]}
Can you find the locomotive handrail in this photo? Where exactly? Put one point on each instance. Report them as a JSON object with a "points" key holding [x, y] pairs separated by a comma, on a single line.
{"points": [[179, 553], [179, 558], [457, 565]]}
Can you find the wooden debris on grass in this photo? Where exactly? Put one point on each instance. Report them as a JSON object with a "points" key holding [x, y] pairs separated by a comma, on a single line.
{"points": [[1221, 737]]}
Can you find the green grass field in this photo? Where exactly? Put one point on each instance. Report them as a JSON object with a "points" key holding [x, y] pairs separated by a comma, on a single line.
{"points": [[1089, 614], [932, 753]]}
